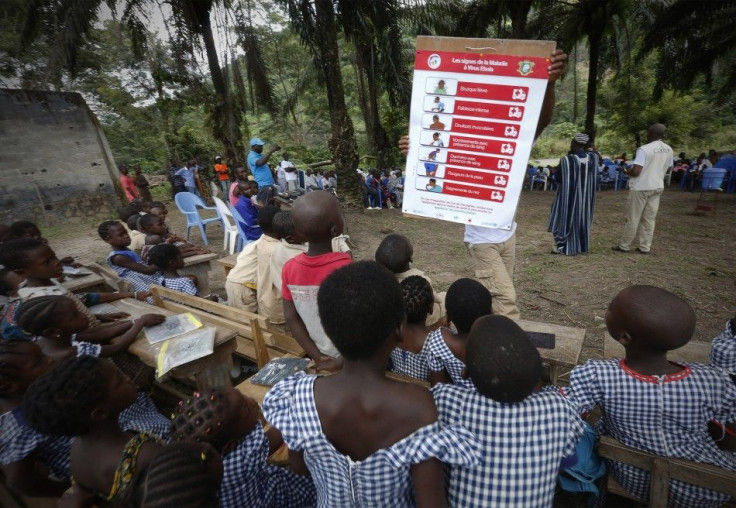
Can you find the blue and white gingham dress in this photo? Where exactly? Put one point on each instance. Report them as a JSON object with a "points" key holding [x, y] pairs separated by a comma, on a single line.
{"points": [[664, 415], [181, 284], [18, 441], [723, 350], [411, 364], [250, 481], [439, 357], [143, 417], [522, 445], [139, 281], [86, 348], [384, 478]]}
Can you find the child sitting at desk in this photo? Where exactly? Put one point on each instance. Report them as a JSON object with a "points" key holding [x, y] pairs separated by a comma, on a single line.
{"points": [[467, 300], [318, 219], [154, 227], [410, 356], [364, 438], [168, 258], [247, 207], [229, 422], [55, 321], [652, 404], [396, 253], [124, 261], [84, 397], [524, 434]]}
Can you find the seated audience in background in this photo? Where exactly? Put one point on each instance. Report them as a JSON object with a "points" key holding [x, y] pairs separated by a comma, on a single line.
{"points": [[85, 398], [466, 301], [652, 404], [396, 253], [318, 219], [410, 356], [229, 421], [55, 321], [524, 434], [168, 259], [247, 207], [364, 438], [181, 474]]}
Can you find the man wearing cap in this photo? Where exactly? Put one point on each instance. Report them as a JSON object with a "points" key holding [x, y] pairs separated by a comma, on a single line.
{"points": [[258, 163], [646, 184], [223, 175], [571, 216]]}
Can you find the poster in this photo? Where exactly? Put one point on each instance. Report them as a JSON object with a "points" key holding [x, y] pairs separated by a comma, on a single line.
{"points": [[474, 113]]}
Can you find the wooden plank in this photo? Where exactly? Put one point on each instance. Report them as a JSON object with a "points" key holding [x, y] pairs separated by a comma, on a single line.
{"points": [[659, 484], [262, 357], [227, 263], [487, 46], [568, 342], [692, 352]]}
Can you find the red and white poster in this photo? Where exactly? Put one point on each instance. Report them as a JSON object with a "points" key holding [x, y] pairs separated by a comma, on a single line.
{"points": [[472, 125]]}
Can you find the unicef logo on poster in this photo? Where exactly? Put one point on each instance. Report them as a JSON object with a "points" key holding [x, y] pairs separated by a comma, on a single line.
{"points": [[434, 61]]}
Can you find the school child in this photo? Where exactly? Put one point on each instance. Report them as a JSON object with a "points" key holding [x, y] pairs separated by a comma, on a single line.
{"points": [[524, 435], [27, 229], [410, 356], [652, 404], [366, 440], [154, 229], [84, 397], [137, 237], [168, 258], [247, 207], [184, 475], [290, 245], [723, 349], [124, 261], [23, 450], [467, 300], [9, 284], [241, 280], [318, 218], [34, 261], [55, 321], [396, 253], [127, 183], [230, 422], [270, 303], [241, 175]]}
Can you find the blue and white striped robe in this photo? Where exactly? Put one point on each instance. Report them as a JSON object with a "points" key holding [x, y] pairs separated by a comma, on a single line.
{"points": [[571, 216]]}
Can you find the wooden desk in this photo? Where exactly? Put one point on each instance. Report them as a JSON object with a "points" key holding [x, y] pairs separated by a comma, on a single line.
{"points": [[199, 266], [92, 283], [228, 262], [692, 352], [568, 346], [208, 372]]}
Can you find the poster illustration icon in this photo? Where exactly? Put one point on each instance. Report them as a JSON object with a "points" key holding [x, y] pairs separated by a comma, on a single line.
{"points": [[434, 61], [526, 67]]}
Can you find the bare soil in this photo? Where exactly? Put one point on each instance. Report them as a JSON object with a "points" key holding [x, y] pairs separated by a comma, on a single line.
{"points": [[692, 256]]}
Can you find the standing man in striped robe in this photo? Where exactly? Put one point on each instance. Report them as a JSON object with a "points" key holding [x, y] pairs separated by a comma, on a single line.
{"points": [[571, 216]]}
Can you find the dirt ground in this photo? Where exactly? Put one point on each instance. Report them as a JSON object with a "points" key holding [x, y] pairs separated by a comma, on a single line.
{"points": [[692, 256]]}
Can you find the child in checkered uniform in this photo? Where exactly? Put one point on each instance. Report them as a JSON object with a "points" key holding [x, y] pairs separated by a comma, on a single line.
{"points": [[652, 404], [229, 422], [168, 258], [524, 434], [366, 440], [467, 300], [723, 349], [409, 358]]}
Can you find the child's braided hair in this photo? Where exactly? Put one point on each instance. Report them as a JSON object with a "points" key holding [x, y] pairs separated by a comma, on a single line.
{"points": [[201, 418], [38, 314], [418, 298], [59, 402], [104, 229], [178, 476], [162, 254]]}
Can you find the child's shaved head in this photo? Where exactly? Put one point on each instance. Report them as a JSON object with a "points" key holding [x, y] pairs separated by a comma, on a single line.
{"points": [[395, 253], [317, 216], [650, 316], [502, 362]]}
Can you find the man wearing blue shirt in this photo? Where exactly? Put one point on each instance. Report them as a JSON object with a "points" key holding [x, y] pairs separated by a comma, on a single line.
{"points": [[258, 163]]}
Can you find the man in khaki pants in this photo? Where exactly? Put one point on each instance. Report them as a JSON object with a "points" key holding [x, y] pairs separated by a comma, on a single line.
{"points": [[646, 184]]}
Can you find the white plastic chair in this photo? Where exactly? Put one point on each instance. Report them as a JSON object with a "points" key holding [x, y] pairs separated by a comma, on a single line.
{"points": [[231, 229]]}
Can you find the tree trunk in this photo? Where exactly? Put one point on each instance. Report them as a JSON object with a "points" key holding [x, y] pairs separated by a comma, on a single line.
{"points": [[519, 17], [575, 83], [342, 141], [226, 128], [378, 143], [594, 41]]}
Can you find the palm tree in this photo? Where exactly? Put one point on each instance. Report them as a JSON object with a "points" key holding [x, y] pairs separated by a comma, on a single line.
{"points": [[316, 23]]}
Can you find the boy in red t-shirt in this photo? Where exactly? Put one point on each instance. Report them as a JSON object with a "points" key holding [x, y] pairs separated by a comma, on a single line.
{"points": [[223, 176], [318, 218]]}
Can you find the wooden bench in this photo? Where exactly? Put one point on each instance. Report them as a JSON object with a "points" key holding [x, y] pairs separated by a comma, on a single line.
{"points": [[254, 340], [227, 263], [692, 352], [664, 469]]}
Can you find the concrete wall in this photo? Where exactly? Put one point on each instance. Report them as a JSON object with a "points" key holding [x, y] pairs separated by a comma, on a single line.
{"points": [[55, 164]]}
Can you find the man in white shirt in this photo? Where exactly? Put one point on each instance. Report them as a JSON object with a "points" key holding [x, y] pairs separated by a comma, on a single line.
{"points": [[646, 184], [286, 174]]}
